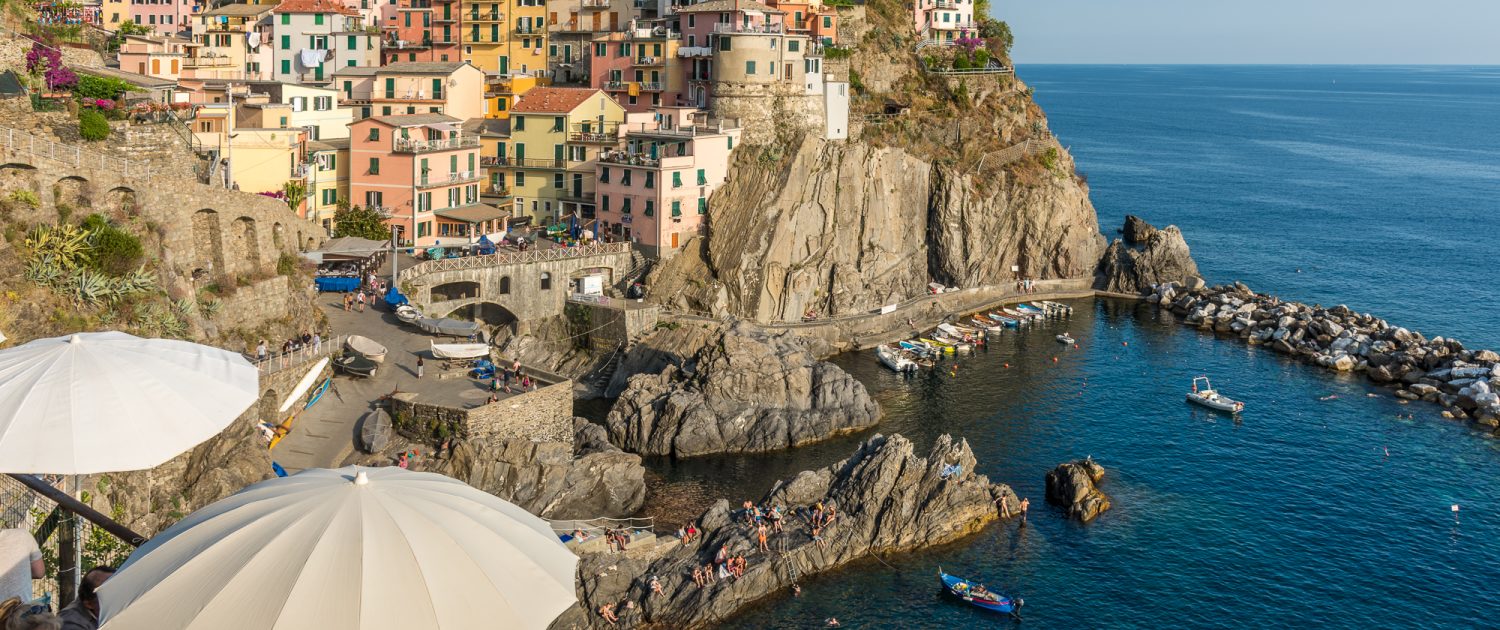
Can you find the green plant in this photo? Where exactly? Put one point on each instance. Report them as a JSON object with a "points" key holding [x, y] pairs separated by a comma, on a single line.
{"points": [[112, 250], [211, 307], [92, 126], [295, 193], [361, 222], [981, 58], [961, 62], [66, 246], [855, 82], [1049, 158], [25, 197], [837, 52], [92, 88], [997, 31], [286, 264]]}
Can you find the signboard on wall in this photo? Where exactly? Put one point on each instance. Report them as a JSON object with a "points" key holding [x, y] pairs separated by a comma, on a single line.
{"points": [[592, 285]]}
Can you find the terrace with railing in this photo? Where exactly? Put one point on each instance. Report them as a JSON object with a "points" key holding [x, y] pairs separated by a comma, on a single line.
{"points": [[594, 133], [453, 179], [731, 28], [415, 145]]}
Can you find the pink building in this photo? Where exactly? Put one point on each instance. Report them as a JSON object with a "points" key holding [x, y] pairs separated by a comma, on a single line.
{"points": [[654, 193], [639, 68], [166, 16], [421, 169], [943, 20]]}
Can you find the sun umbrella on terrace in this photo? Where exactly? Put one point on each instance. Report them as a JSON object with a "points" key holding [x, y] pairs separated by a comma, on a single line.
{"points": [[108, 401], [353, 548]]}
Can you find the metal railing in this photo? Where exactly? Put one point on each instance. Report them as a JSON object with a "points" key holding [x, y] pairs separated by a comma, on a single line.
{"points": [[465, 177], [42, 507], [749, 28], [277, 361], [409, 145], [511, 258], [70, 154], [594, 4], [595, 528]]}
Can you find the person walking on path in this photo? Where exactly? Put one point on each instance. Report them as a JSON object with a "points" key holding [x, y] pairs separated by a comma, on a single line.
{"points": [[361, 299], [317, 343], [260, 352], [419, 367], [20, 563]]}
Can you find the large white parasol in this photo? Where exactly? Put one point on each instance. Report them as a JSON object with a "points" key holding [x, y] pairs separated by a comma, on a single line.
{"points": [[347, 549], [108, 402]]}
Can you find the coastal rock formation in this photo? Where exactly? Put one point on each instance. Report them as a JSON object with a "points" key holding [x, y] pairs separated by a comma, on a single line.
{"points": [[748, 391], [550, 479], [1463, 381], [1074, 486], [1145, 258], [887, 499]]}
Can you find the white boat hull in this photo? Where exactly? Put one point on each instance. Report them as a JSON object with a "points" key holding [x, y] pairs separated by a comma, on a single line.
{"points": [[1218, 403]]}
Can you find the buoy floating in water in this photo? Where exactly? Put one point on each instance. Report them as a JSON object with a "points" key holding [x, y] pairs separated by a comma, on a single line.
{"points": [[1124, 343], [1054, 359]]}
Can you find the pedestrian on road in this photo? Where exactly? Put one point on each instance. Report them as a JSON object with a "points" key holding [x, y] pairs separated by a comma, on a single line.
{"points": [[419, 367], [260, 352], [317, 343], [361, 300]]}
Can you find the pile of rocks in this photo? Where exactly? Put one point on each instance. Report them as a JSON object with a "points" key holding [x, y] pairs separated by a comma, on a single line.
{"points": [[1074, 486], [1436, 370], [888, 499]]}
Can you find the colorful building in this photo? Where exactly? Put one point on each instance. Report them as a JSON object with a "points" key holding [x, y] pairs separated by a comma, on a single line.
{"points": [[422, 172], [639, 68], [943, 20], [327, 179], [556, 134], [654, 192], [503, 91], [166, 17], [237, 37], [154, 56], [309, 107], [572, 27], [811, 18], [112, 13], [507, 37], [455, 88], [312, 39], [420, 30]]}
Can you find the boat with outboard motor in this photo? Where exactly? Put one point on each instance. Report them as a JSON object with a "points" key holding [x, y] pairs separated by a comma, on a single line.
{"points": [[978, 596], [895, 358], [1066, 338], [1207, 396]]}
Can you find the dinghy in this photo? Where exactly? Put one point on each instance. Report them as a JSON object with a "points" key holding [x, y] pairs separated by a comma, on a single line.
{"points": [[1208, 397], [1008, 322], [1065, 338], [942, 346], [366, 346], [408, 314], [921, 349], [355, 364], [895, 359], [978, 596]]}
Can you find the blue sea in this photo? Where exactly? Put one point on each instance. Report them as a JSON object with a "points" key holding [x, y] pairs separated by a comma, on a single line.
{"points": [[1378, 184]]}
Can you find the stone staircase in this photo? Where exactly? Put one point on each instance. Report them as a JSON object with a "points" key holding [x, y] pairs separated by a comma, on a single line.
{"points": [[606, 372]]}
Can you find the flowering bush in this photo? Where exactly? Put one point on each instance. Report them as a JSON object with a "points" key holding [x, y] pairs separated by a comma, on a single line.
{"points": [[104, 104], [47, 62], [968, 42]]}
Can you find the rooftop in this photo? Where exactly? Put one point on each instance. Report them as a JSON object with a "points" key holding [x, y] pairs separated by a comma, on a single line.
{"points": [[314, 6], [330, 144], [718, 6], [239, 10], [552, 100], [422, 67], [487, 126], [139, 80], [414, 120], [473, 214]]}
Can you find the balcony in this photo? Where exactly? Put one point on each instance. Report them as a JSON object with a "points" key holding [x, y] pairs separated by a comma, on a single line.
{"points": [[409, 145], [453, 179], [487, 17], [594, 137], [945, 4], [648, 61], [572, 26], [209, 62], [312, 77], [490, 161], [444, 19], [495, 190], [547, 163], [594, 4], [771, 29], [695, 52], [652, 87], [404, 44], [616, 86], [530, 30]]}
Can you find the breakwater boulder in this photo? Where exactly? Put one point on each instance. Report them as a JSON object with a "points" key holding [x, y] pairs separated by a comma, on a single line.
{"points": [[1440, 370], [1146, 258], [746, 391], [885, 498], [587, 479], [1074, 486]]}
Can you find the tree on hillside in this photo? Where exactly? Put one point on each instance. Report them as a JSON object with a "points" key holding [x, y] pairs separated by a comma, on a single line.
{"points": [[361, 222]]}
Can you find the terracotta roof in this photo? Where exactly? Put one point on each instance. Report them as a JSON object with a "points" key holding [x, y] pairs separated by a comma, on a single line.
{"points": [[552, 100], [239, 10], [414, 120], [314, 6], [718, 6]]}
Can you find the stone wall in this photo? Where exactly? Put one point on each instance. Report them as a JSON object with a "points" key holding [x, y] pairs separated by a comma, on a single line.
{"points": [[614, 321], [767, 110], [272, 299], [515, 287], [544, 415]]}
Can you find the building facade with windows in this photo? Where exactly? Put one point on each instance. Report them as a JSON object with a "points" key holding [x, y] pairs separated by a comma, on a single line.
{"points": [[422, 171], [234, 40], [327, 179], [166, 17], [312, 39], [420, 30], [453, 88], [943, 20], [556, 134], [654, 192], [315, 109], [640, 68]]}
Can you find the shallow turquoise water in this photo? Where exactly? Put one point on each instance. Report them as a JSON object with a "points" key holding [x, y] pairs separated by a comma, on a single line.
{"points": [[1379, 184]]}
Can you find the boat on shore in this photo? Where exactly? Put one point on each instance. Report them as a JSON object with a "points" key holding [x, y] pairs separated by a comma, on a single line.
{"points": [[355, 364], [1207, 396], [458, 350], [408, 314], [375, 430], [894, 358], [978, 596], [366, 346]]}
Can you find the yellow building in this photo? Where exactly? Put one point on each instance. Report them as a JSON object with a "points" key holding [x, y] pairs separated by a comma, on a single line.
{"points": [[505, 37], [113, 12], [327, 179], [501, 93], [264, 160], [556, 135]]}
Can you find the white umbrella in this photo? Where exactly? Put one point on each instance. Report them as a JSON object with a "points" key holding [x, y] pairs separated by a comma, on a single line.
{"points": [[353, 548], [108, 402]]}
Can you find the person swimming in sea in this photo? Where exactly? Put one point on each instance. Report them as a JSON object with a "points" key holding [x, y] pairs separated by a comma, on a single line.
{"points": [[1329, 397]]}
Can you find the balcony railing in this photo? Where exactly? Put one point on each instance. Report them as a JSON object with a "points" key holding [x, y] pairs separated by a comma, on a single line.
{"points": [[491, 16], [630, 159], [594, 137], [496, 189], [652, 87], [411, 145], [615, 85], [749, 28], [445, 19], [403, 44], [466, 177], [648, 61], [491, 160], [945, 4], [539, 163], [693, 52], [595, 4]]}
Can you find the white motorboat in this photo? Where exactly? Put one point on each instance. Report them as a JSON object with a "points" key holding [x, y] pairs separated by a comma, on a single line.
{"points": [[1207, 396], [408, 313], [1065, 338], [895, 359], [1060, 307]]}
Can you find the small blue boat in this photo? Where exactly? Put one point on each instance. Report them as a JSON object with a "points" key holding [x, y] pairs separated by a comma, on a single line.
{"points": [[979, 596], [1029, 310], [1004, 320]]}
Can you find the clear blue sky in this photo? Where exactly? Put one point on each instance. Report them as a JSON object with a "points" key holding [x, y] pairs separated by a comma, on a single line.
{"points": [[1254, 31]]}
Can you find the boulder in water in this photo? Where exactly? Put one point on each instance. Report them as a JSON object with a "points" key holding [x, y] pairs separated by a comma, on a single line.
{"points": [[1074, 487]]}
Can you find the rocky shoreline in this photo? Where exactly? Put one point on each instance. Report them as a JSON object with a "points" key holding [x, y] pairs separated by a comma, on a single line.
{"points": [[1437, 370], [886, 497]]}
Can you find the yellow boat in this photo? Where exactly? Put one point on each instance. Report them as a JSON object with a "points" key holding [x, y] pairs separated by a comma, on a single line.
{"points": [[946, 346]]}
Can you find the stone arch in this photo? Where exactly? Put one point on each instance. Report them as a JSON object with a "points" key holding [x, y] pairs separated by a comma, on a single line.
{"points": [[246, 244], [72, 191], [456, 290], [504, 287], [120, 203], [277, 238], [488, 313], [16, 177], [208, 243]]}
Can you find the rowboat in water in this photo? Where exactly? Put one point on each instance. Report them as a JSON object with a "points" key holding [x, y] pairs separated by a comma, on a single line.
{"points": [[978, 596], [1003, 320], [1065, 338], [1208, 397], [922, 349], [942, 346]]}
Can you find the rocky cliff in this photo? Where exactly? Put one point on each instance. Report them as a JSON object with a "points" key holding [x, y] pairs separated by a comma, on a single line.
{"points": [[886, 497], [1145, 258], [962, 187], [747, 391]]}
